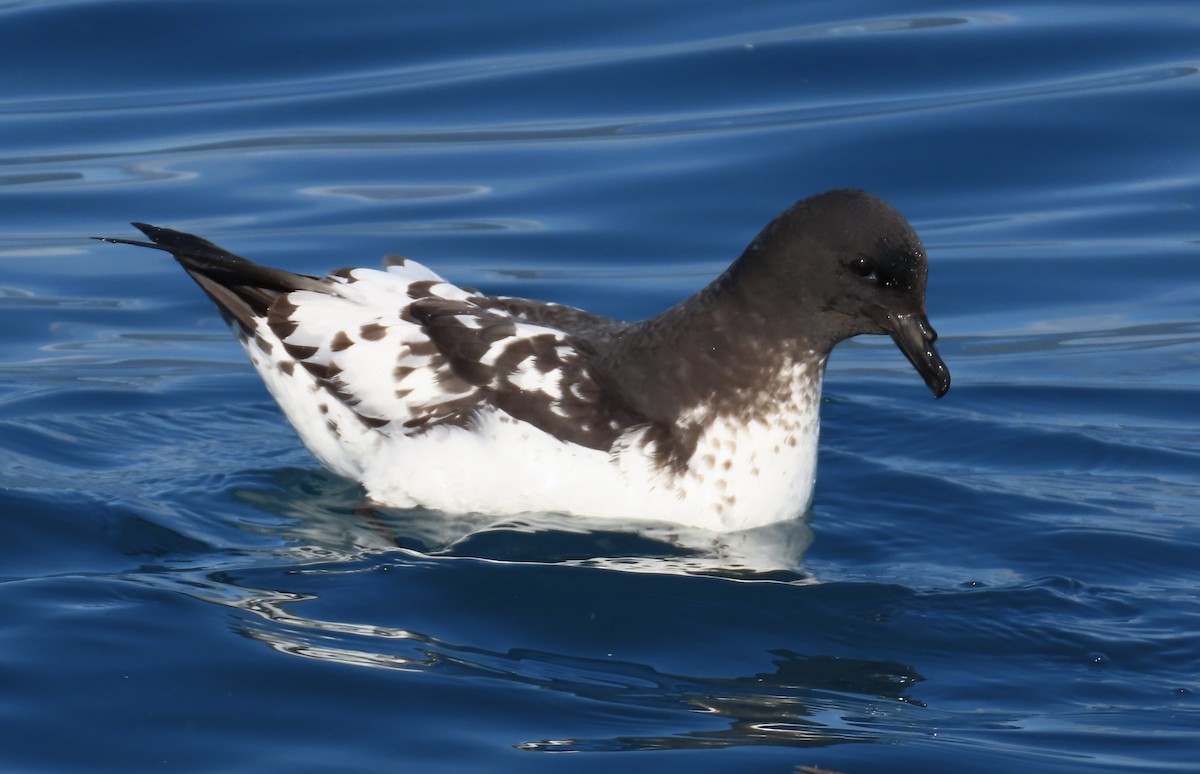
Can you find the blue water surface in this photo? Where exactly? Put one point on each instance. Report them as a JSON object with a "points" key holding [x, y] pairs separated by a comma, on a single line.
{"points": [[1003, 580]]}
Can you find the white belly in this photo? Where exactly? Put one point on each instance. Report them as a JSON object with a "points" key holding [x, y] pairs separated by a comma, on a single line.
{"points": [[744, 472]]}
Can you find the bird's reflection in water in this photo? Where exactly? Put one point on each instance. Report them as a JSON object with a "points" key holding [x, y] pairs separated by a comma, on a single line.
{"points": [[805, 700], [328, 512]]}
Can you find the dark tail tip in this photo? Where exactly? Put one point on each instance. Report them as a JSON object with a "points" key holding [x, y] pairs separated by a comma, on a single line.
{"points": [[160, 238]]}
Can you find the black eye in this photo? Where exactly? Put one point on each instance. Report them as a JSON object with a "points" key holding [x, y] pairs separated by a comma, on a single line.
{"points": [[864, 267]]}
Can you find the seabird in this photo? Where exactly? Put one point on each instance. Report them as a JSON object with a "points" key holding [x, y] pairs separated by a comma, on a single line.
{"points": [[707, 414]]}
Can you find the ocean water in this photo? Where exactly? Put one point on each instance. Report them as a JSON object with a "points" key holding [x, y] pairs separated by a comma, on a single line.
{"points": [[1003, 580]]}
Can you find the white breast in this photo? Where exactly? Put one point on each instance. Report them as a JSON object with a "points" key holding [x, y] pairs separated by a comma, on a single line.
{"points": [[745, 472]]}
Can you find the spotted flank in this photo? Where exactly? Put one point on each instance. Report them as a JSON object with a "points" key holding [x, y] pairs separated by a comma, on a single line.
{"points": [[435, 395]]}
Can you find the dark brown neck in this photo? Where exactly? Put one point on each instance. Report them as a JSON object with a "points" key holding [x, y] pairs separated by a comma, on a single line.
{"points": [[720, 344]]}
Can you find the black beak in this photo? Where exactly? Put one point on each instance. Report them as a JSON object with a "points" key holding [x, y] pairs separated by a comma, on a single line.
{"points": [[915, 336]]}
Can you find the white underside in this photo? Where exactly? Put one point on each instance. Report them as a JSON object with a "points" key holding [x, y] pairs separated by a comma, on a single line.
{"points": [[505, 468], [743, 474], [740, 476]]}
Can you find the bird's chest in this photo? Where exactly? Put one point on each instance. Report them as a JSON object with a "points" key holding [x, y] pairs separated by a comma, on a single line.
{"points": [[754, 462]]}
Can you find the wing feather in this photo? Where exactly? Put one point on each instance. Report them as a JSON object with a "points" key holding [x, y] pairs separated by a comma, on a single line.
{"points": [[410, 351]]}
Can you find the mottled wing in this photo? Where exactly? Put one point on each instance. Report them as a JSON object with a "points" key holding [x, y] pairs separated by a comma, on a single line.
{"points": [[409, 352], [533, 373], [567, 319], [353, 339]]}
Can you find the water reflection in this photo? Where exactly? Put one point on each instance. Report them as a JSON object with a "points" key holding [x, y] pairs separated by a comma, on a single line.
{"points": [[328, 511], [805, 700], [311, 598], [391, 193], [458, 71]]}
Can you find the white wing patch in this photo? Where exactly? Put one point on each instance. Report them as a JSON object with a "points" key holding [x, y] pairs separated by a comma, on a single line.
{"points": [[401, 351]]}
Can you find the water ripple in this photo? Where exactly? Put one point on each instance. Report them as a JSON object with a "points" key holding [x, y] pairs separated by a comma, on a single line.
{"points": [[832, 112], [801, 700], [469, 70], [147, 163]]}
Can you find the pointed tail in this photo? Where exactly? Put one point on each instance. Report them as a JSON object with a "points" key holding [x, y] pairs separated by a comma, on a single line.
{"points": [[241, 289]]}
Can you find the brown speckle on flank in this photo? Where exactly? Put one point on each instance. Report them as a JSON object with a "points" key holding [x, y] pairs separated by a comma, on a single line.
{"points": [[340, 342], [263, 344], [370, 421], [373, 331], [299, 351]]}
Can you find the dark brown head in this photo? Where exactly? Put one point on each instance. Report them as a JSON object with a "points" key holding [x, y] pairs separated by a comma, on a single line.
{"points": [[844, 263]]}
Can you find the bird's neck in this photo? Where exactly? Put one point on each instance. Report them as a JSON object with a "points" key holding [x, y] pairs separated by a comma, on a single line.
{"points": [[711, 349]]}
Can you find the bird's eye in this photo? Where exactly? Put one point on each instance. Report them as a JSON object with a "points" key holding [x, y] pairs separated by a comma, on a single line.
{"points": [[863, 267]]}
